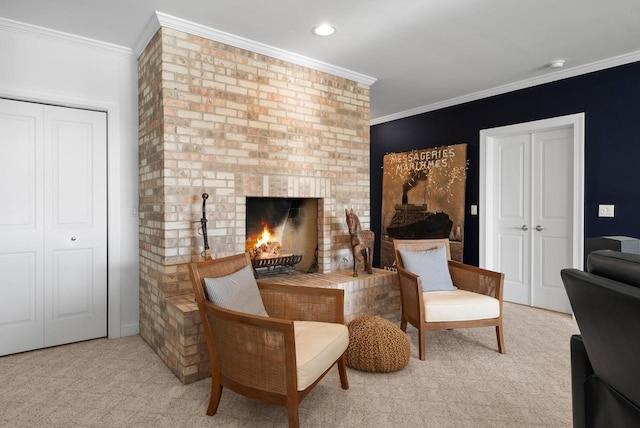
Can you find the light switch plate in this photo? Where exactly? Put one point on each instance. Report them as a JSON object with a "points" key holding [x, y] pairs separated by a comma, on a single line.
{"points": [[474, 210], [605, 210]]}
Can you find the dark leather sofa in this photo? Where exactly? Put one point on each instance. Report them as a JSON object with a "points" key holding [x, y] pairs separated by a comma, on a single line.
{"points": [[605, 357]]}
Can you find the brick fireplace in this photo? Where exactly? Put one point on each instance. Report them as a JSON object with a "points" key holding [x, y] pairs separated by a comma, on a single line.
{"points": [[282, 234], [221, 120]]}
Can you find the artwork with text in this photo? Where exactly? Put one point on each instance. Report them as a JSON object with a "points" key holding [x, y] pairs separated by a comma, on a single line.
{"points": [[423, 197]]}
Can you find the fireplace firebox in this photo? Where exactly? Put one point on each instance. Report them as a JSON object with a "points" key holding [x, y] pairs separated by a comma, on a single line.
{"points": [[282, 234]]}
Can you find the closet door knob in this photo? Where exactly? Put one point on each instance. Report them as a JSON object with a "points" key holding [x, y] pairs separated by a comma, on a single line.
{"points": [[539, 228], [524, 227]]}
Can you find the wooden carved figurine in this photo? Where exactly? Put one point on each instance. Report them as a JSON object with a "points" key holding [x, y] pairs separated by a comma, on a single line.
{"points": [[361, 243]]}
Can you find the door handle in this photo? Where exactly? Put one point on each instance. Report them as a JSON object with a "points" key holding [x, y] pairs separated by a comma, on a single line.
{"points": [[73, 238], [539, 228], [524, 227]]}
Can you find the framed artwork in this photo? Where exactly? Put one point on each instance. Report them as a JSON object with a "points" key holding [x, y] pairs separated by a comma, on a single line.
{"points": [[423, 196]]}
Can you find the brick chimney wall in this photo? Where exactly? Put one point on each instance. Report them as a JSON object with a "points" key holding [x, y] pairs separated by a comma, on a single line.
{"points": [[233, 123]]}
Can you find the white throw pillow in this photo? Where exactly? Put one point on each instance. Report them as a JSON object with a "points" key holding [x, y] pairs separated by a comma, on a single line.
{"points": [[431, 266], [237, 292]]}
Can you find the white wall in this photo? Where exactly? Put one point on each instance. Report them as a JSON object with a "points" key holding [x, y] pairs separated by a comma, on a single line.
{"points": [[46, 66]]}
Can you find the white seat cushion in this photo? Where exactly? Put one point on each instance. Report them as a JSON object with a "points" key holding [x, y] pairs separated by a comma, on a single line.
{"points": [[318, 346], [459, 305]]}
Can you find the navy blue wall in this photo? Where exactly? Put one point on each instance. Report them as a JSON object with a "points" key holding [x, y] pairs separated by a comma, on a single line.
{"points": [[610, 100]]}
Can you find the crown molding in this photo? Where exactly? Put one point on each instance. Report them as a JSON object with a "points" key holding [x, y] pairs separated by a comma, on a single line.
{"points": [[148, 31], [160, 19], [61, 37], [523, 84]]}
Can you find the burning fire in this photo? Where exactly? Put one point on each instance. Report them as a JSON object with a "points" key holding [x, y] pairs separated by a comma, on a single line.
{"points": [[266, 246], [265, 239]]}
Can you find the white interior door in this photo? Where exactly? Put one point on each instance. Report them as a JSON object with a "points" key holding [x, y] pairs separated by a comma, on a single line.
{"points": [[21, 227], [552, 217], [532, 219], [54, 223], [512, 221], [75, 225]]}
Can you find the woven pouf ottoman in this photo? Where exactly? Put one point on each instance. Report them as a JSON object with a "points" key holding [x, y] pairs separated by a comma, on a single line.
{"points": [[377, 345]]}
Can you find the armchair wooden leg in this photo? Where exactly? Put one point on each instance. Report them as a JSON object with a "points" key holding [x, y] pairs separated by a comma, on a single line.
{"points": [[421, 344], [501, 347], [403, 323], [500, 338], [214, 400], [342, 370], [292, 412]]}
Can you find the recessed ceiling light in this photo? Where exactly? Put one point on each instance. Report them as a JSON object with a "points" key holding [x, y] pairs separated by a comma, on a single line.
{"points": [[324, 30], [558, 63]]}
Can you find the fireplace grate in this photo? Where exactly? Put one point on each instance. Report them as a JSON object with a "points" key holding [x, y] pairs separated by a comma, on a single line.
{"points": [[267, 266]]}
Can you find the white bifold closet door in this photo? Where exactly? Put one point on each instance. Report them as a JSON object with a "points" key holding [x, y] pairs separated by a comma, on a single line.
{"points": [[53, 225]]}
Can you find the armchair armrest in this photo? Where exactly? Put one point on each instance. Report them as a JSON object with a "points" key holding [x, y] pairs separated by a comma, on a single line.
{"points": [[303, 303], [251, 350], [409, 279], [478, 280], [580, 370], [410, 286]]}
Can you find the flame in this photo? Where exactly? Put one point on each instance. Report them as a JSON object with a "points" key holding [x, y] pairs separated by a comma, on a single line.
{"points": [[266, 237]]}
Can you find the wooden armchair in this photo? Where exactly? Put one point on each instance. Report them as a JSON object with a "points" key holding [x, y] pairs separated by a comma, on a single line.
{"points": [[476, 303], [272, 359]]}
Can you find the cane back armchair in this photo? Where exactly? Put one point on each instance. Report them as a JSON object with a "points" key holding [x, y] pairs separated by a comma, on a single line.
{"points": [[477, 301], [271, 358]]}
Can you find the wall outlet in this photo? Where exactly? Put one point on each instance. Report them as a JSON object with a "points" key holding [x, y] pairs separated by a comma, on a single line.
{"points": [[606, 210]]}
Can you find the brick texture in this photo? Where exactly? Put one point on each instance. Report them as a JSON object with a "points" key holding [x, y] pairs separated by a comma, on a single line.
{"points": [[232, 123]]}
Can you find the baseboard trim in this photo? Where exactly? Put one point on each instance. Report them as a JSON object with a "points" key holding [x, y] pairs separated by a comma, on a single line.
{"points": [[129, 330]]}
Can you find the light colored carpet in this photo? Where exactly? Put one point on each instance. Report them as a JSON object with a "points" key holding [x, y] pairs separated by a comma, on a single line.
{"points": [[465, 382]]}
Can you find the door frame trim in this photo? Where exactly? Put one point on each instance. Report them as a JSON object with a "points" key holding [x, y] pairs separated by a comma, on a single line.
{"points": [[487, 196], [112, 109]]}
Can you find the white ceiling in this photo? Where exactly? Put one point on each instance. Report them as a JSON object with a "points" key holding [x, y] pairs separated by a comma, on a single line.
{"points": [[424, 54]]}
